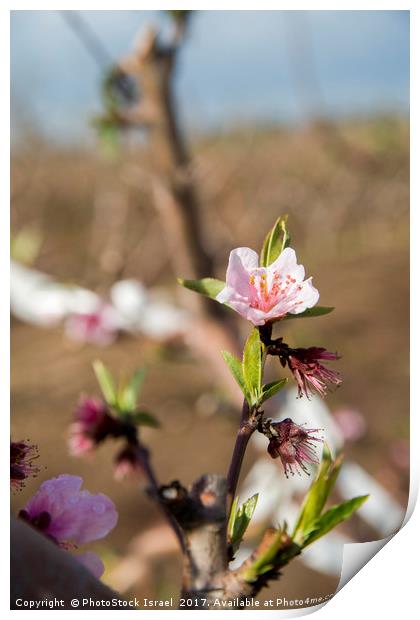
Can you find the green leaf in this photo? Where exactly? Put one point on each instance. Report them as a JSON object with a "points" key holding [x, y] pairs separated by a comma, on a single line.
{"points": [[277, 239], [129, 395], [239, 520], [106, 382], [206, 286], [235, 367], [270, 389], [232, 517], [310, 312], [330, 519], [144, 418], [252, 366], [318, 493]]}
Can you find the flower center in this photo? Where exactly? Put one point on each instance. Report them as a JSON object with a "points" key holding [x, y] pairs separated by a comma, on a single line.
{"points": [[270, 287]]}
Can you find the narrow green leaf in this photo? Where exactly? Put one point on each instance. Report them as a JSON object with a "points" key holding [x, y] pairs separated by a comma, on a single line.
{"points": [[144, 418], [235, 367], [106, 382], [277, 239], [270, 389], [252, 365], [331, 518], [310, 312], [206, 286], [232, 517], [242, 518], [318, 492], [128, 399]]}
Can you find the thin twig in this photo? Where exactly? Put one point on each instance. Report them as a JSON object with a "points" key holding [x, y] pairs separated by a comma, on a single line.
{"points": [[243, 436], [144, 460]]}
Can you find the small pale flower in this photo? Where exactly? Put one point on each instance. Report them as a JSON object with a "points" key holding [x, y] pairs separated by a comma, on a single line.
{"points": [[293, 443], [262, 294], [98, 327], [69, 516], [22, 463]]}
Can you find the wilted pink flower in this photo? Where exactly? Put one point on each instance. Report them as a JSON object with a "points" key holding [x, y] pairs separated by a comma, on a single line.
{"points": [[310, 374], [292, 443], [97, 327], [69, 516], [93, 423], [262, 294], [127, 463], [22, 466]]}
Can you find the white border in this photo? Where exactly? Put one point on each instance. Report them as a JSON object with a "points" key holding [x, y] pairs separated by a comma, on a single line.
{"points": [[388, 584]]}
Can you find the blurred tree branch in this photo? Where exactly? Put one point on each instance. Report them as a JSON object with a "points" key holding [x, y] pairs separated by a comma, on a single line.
{"points": [[41, 570]]}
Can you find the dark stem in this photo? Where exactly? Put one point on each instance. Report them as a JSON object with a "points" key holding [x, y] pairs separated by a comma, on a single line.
{"points": [[245, 431], [143, 457]]}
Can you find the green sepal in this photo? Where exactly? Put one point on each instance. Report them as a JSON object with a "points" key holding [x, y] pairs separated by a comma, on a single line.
{"points": [[275, 242]]}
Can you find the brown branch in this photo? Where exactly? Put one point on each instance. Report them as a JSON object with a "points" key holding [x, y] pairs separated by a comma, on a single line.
{"points": [[41, 570], [201, 513]]}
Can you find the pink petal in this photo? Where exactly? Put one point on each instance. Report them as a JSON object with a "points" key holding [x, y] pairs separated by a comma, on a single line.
{"points": [[52, 495], [92, 562], [241, 262], [287, 263], [76, 516], [308, 296]]}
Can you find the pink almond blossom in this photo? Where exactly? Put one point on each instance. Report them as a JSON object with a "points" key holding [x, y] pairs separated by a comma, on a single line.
{"points": [[262, 294], [69, 516], [98, 327]]}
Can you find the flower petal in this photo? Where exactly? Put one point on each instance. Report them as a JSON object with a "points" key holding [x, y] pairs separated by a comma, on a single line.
{"points": [[241, 262], [76, 516], [53, 494], [287, 263], [308, 296]]}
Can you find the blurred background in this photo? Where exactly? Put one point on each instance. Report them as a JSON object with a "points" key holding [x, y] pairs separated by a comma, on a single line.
{"points": [[305, 113]]}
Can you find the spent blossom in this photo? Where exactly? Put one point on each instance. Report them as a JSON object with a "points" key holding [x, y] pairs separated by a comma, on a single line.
{"points": [[293, 443], [128, 463], [22, 463], [310, 375], [262, 294], [70, 517]]}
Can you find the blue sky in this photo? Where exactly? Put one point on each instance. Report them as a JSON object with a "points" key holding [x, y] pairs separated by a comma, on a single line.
{"points": [[236, 67]]}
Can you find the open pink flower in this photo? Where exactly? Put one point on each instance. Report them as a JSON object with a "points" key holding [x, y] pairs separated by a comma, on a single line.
{"points": [[70, 516], [262, 294]]}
